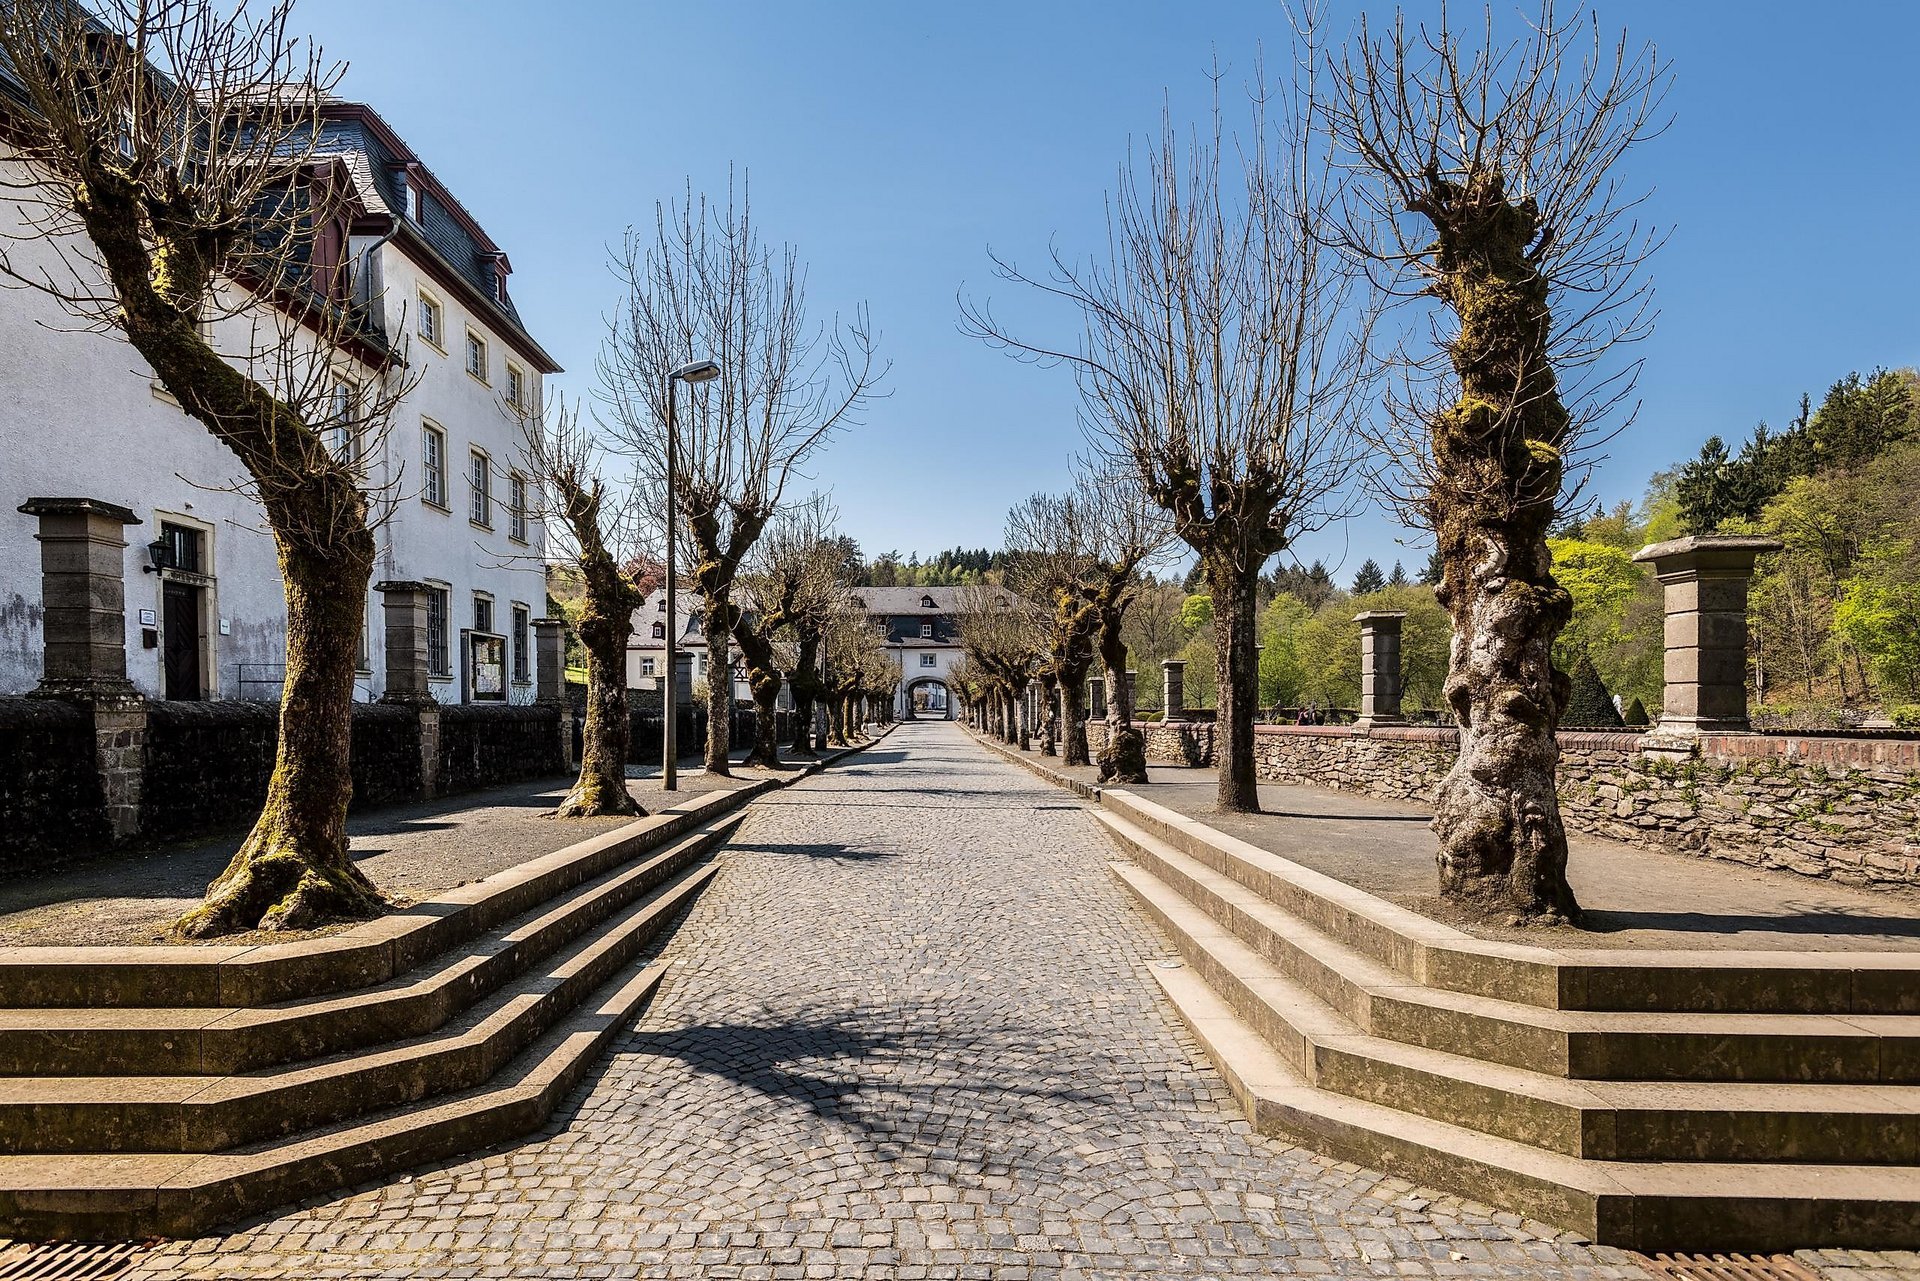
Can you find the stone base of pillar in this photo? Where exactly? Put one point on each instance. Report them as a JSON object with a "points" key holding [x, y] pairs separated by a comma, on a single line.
{"points": [[119, 745]]}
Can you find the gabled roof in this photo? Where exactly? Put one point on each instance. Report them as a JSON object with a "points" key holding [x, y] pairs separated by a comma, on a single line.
{"points": [[910, 600]]}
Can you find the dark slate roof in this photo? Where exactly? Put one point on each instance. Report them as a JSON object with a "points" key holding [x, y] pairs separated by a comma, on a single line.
{"points": [[909, 600], [377, 156]]}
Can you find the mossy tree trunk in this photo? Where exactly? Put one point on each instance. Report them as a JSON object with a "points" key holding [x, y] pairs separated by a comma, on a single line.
{"points": [[764, 680], [713, 576], [294, 870], [1050, 723], [1494, 493], [1124, 759], [1232, 572]]}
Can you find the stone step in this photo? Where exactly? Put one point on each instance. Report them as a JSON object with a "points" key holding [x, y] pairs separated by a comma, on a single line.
{"points": [[211, 1114], [1584, 1045], [109, 1197], [1610, 1120], [241, 976], [1562, 975], [1636, 1205], [212, 1041]]}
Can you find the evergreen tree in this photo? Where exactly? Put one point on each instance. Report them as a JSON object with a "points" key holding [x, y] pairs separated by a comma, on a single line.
{"points": [[1435, 570], [1636, 713], [1590, 706], [1398, 578], [1369, 580]]}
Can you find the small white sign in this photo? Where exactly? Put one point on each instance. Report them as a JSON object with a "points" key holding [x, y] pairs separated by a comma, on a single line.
{"points": [[226, 628], [148, 618]]}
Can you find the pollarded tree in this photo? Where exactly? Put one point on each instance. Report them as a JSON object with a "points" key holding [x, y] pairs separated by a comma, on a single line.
{"points": [[797, 576], [1130, 536], [592, 528], [1223, 355], [703, 285], [164, 154], [1493, 199], [1050, 564], [998, 634]]}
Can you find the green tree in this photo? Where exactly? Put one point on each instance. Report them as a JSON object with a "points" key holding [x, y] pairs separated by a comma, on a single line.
{"points": [[1878, 613], [1369, 580], [1196, 613], [1589, 706]]}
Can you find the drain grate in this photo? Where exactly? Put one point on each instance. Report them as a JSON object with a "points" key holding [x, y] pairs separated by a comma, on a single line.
{"points": [[1717, 1267], [20, 1261]]}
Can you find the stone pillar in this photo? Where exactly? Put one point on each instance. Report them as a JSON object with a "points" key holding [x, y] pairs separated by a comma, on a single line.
{"points": [[1379, 668], [1173, 705], [83, 598], [550, 660], [403, 609], [1706, 578], [1096, 698], [550, 679], [1133, 694]]}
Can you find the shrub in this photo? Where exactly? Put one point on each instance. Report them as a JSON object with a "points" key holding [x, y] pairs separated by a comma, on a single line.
{"points": [[1590, 706]]}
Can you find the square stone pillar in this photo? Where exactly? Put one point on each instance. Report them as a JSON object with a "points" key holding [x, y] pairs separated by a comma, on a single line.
{"points": [[1097, 698], [1133, 695], [1173, 674], [83, 598], [1706, 578], [550, 679], [550, 660], [1379, 668], [403, 607]]}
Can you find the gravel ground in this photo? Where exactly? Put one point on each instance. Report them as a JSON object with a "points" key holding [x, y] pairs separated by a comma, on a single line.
{"points": [[410, 851]]}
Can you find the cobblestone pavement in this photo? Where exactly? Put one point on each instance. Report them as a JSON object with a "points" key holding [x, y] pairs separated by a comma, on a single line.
{"points": [[910, 1033]]}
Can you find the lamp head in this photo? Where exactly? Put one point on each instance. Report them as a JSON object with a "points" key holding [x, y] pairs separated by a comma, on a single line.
{"points": [[697, 371]]}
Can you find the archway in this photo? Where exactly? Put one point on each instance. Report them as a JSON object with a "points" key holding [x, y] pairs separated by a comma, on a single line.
{"points": [[929, 699]]}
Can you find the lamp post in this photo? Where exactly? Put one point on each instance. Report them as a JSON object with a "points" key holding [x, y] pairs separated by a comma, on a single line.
{"points": [[696, 371]]}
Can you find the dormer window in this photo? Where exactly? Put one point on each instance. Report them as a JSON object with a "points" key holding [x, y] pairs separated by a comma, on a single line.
{"points": [[659, 631], [661, 606], [926, 602]]}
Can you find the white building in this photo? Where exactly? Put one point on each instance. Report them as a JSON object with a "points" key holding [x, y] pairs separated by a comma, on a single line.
{"points": [[920, 628], [82, 416], [647, 648]]}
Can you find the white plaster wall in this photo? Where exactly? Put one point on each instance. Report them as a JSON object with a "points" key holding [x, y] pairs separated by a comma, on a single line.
{"points": [[908, 655], [422, 542], [79, 417]]}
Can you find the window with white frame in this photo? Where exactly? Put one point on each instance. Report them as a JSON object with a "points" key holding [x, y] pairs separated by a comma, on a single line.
{"points": [[926, 631], [433, 465], [432, 320], [477, 356], [659, 631], [516, 386], [646, 667], [342, 431], [480, 489], [517, 507], [929, 660], [482, 612], [522, 640], [439, 657]]}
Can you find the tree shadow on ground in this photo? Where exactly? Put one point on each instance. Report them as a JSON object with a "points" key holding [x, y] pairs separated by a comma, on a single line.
{"points": [[826, 852], [1793, 918]]}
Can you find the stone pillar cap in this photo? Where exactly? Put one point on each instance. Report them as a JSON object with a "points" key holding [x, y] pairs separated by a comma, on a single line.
{"points": [[1723, 548], [561, 622], [1173, 662], [65, 506], [399, 585], [1367, 616]]}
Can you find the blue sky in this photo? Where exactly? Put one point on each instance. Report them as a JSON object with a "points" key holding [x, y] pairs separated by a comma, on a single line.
{"points": [[893, 143]]}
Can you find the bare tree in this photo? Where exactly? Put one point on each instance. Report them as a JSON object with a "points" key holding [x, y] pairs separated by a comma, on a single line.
{"points": [[1222, 358], [797, 577], [703, 285], [998, 636], [1130, 535], [1493, 201], [1050, 553], [175, 193], [592, 528]]}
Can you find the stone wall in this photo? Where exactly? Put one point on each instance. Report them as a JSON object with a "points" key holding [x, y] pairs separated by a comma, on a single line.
{"points": [[50, 800], [207, 765], [485, 746], [1847, 808]]}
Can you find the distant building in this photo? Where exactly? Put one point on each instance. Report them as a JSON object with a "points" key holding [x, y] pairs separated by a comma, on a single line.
{"points": [[647, 648], [920, 628]]}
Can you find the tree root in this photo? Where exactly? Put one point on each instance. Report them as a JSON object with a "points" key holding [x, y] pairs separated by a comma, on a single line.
{"points": [[597, 797], [280, 890]]}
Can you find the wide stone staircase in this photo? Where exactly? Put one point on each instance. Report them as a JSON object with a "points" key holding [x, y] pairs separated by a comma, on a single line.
{"points": [[163, 1091], [1652, 1100]]}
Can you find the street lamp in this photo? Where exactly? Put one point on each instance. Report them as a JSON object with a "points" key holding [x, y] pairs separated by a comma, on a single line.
{"points": [[694, 371]]}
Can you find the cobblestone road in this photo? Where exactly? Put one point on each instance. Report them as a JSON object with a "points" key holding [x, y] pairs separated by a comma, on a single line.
{"points": [[911, 1034]]}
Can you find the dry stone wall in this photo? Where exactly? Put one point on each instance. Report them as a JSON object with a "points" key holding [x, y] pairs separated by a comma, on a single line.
{"points": [[1846, 808]]}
